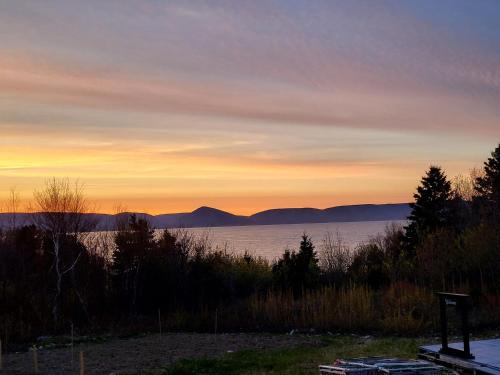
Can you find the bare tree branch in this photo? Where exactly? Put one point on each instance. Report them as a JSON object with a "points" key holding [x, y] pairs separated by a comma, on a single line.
{"points": [[62, 211]]}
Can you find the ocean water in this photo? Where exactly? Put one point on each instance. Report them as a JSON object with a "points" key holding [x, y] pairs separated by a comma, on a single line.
{"points": [[270, 241]]}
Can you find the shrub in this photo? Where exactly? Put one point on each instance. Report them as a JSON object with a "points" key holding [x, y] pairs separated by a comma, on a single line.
{"points": [[369, 266]]}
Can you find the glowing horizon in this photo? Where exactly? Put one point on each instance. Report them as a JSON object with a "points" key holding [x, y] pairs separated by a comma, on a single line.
{"points": [[167, 106]]}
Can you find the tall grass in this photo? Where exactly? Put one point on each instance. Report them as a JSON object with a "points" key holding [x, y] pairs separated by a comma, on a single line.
{"points": [[401, 309], [407, 308], [327, 308]]}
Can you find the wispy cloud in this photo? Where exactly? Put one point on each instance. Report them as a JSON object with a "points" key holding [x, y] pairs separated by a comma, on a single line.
{"points": [[180, 94]]}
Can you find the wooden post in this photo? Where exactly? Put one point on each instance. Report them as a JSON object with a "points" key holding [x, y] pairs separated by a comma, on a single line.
{"points": [[82, 364], [465, 328], [35, 360], [159, 321], [461, 303], [215, 328], [72, 347], [444, 323]]}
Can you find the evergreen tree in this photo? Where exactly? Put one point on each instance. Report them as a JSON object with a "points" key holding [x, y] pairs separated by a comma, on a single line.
{"points": [[488, 185], [306, 263], [298, 270], [133, 246], [283, 268], [431, 209]]}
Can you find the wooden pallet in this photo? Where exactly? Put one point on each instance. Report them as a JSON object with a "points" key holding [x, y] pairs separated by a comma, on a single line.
{"points": [[381, 366]]}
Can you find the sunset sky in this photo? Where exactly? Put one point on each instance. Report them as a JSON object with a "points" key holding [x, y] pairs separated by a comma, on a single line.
{"points": [[164, 106]]}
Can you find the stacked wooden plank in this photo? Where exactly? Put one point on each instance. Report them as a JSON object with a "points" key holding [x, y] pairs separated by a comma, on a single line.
{"points": [[381, 366]]}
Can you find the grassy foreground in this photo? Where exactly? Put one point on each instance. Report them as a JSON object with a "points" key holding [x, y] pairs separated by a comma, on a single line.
{"points": [[299, 360]]}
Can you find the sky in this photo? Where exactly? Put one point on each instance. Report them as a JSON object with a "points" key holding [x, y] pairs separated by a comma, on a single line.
{"points": [[164, 106]]}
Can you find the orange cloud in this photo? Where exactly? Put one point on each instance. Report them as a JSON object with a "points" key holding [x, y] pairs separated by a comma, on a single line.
{"points": [[167, 106]]}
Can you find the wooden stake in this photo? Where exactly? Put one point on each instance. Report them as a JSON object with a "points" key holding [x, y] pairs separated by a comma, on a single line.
{"points": [[72, 347], [82, 364], [215, 330], [159, 320], [35, 360]]}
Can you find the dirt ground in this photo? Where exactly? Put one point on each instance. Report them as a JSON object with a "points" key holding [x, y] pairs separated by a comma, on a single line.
{"points": [[144, 354]]}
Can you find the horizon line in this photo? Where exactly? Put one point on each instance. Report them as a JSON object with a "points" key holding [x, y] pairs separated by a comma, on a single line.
{"points": [[214, 208]]}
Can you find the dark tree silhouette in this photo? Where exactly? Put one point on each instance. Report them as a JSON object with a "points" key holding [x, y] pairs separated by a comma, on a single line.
{"points": [[369, 266], [488, 184], [60, 211], [133, 245], [298, 270], [431, 209], [307, 263]]}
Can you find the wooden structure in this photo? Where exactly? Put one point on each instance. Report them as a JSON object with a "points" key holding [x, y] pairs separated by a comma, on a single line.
{"points": [[486, 359], [461, 303], [480, 357]]}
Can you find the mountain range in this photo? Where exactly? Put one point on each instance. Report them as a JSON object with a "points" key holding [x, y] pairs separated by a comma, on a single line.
{"points": [[212, 217]]}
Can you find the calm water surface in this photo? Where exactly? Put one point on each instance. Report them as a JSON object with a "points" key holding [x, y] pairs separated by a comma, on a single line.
{"points": [[269, 241]]}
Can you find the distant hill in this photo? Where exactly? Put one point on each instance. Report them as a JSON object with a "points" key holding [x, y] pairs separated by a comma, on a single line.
{"points": [[201, 217], [368, 212], [289, 216], [361, 212], [212, 217]]}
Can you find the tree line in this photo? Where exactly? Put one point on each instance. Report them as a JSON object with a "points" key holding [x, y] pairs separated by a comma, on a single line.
{"points": [[56, 272], [452, 240]]}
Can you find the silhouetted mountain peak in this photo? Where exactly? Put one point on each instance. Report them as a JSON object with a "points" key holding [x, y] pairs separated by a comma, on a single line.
{"points": [[208, 210], [205, 216]]}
